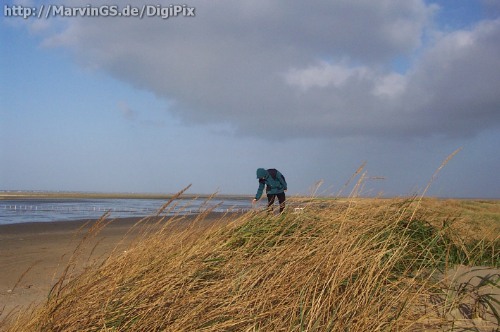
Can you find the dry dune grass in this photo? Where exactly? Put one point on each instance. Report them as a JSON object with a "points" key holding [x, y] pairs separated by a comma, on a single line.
{"points": [[340, 265], [473, 219]]}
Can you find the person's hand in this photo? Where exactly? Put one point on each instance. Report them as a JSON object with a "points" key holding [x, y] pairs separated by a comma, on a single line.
{"points": [[254, 201]]}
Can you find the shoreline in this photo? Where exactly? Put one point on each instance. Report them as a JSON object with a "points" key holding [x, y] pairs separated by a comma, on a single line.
{"points": [[56, 225], [47, 209]]}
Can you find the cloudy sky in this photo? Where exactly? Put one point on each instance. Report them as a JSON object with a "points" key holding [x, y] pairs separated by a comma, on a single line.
{"points": [[314, 89]]}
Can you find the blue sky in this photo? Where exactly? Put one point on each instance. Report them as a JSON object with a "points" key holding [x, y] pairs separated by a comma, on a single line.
{"points": [[151, 105]]}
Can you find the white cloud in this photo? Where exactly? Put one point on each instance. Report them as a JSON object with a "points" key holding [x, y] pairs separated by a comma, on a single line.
{"points": [[391, 85], [322, 75]]}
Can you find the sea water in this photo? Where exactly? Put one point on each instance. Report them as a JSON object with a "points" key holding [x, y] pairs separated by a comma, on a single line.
{"points": [[46, 210]]}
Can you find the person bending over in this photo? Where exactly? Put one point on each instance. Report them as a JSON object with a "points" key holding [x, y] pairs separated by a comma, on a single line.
{"points": [[275, 184]]}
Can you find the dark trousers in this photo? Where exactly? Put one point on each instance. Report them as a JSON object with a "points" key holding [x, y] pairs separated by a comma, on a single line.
{"points": [[271, 198]]}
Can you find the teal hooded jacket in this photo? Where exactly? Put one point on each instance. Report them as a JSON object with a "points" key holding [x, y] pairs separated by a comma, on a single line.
{"points": [[272, 179]]}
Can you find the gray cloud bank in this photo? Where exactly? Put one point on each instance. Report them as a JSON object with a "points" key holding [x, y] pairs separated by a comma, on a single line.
{"points": [[297, 69]]}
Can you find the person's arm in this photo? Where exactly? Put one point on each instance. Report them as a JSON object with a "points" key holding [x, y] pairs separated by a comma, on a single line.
{"points": [[262, 184]]}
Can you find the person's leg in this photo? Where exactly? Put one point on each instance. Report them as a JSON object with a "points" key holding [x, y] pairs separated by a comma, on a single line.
{"points": [[281, 200], [270, 202]]}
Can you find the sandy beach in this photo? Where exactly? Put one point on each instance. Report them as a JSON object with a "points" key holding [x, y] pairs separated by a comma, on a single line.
{"points": [[34, 255]]}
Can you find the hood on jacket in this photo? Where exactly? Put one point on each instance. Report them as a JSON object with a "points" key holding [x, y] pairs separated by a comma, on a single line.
{"points": [[261, 173]]}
